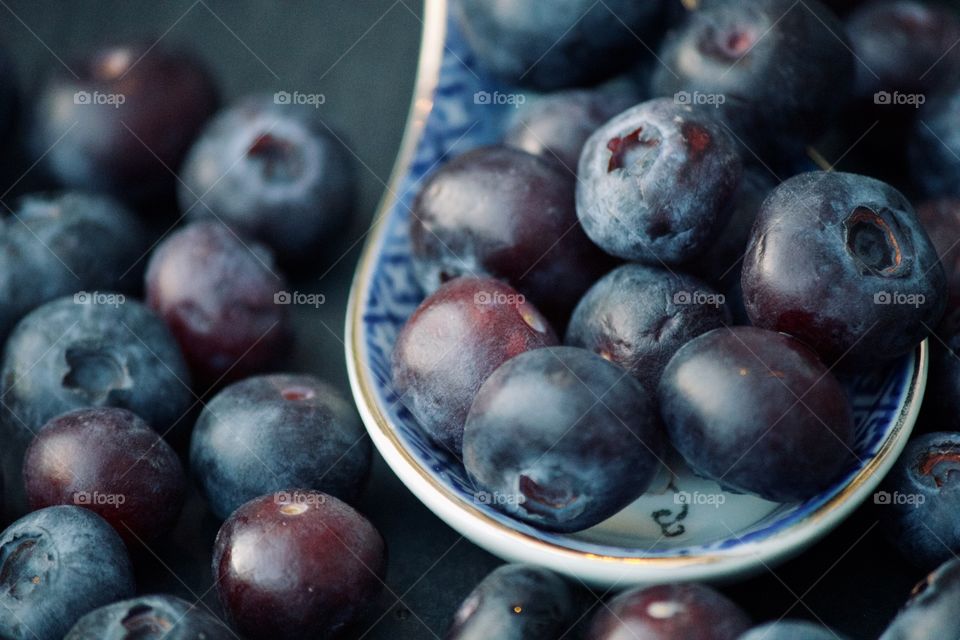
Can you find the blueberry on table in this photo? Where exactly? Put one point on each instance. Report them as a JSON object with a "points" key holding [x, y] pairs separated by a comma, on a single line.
{"points": [[109, 461], [273, 172], [656, 183], [551, 45], [56, 565], [557, 125], [504, 213], [790, 630], [669, 612], [218, 293], [841, 262], [515, 602], [54, 244], [455, 339], [776, 70], [931, 611], [268, 433], [99, 351], [122, 120], [637, 317], [757, 412], [562, 439], [920, 513], [153, 617], [297, 564]]}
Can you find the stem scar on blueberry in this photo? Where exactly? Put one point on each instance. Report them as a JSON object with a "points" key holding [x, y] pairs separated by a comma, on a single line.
{"points": [[143, 619], [877, 243], [930, 462], [621, 146]]}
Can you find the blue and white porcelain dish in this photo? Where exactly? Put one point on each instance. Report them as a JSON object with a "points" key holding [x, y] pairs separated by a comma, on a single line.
{"points": [[687, 528]]}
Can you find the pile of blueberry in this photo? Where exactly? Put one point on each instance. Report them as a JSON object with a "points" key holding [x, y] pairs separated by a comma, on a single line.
{"points": [[141, 354], [647, 265]]}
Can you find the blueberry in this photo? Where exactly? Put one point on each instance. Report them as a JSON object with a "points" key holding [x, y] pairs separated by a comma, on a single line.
{"points": [[669, 612], [268, 433], [107, 352], [790, 630], [762, 64], [931, 612], [934, 143], [941, 220], [504, 213], [559, 44], [60, 243], [756, 411], [452, 342], [638, 316], [556, 126], [657, 182], [155, 617], [124, 122], [841, 262], [903, 46], [111, 462], [297, 565], [273, 172], [561, 438], [515, 602], [56, 565], [218, 294], [920, 517]]}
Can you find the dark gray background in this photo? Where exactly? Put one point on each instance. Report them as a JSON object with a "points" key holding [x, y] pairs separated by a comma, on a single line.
{"points": [[362, 55]]}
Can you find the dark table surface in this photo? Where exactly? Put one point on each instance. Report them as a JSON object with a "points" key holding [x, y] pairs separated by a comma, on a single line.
{"points": [[362, 56]]}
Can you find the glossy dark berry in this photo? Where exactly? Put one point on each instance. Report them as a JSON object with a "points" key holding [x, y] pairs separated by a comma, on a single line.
{"points": [[934, 144], [273, 172], [560, 44], [56, 244], [504, 213], [920, 500], [756, 411], [515, 602], [561, 438], [109, 461], [638, 316], [218, 294], [931, 612], [903, 46], [452, 342], [269, 433], [125, 121], [790, 630], [669, 612], [297, 565], [71, 354], [767, 60], [56, 565], [159, 617], [556, 126], [841, 262], [656, 183]]}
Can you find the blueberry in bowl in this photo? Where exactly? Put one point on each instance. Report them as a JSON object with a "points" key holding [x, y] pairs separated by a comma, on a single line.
{"points": [[56, 565], [841, 262], [150, 617], [272, 172], [657, 182], [271, 432]]}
